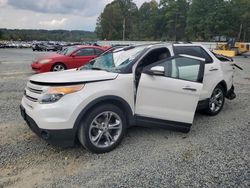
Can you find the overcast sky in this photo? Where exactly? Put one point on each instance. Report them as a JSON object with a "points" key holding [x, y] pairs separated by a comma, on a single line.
{"points": [[52, 14]]}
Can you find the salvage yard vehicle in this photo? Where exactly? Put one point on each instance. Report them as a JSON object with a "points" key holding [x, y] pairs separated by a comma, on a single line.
{"points": [[38, 47], [69, 58], [46, 46], [232, 48], [52, 47], [146, 85]]}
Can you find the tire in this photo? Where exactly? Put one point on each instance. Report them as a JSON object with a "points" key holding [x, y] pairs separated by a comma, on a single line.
{"points": [[58, 67], [216, 101], [96, 133]]}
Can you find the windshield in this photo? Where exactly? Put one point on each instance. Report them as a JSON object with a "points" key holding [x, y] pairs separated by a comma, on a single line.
{"points": [[68, 50], [114, 61]]}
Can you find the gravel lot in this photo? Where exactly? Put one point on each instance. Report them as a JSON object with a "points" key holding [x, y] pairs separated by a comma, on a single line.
{"points": [[216, 152]]}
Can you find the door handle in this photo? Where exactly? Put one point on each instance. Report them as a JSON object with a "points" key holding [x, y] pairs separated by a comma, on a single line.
{"points": [[189, 88], [213, 69]]}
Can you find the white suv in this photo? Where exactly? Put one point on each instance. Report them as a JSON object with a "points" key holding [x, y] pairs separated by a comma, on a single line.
{"points": [[148, 85]]}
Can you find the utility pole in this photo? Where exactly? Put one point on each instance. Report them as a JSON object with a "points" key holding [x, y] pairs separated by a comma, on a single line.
{"points": [[126, 16], [124, 29], [175, 27], [239, 35]]}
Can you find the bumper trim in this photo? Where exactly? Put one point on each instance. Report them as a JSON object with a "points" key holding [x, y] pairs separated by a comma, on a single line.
{"points": [[60, 137], [230, 94]]}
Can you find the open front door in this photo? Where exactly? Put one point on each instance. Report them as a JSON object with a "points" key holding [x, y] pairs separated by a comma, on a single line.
{"points": [[170, 89]]}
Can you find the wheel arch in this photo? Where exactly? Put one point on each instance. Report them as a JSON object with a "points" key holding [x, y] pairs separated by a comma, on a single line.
{"points": [[118, 101], [223, 84]]}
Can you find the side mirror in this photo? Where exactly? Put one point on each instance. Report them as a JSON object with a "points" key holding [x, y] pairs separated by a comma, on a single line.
{"points": [[157, 70], [73, 55]]}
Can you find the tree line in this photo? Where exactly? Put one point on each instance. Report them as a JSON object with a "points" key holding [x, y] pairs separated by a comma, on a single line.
{"points": [[175, 20], [46, 35]]}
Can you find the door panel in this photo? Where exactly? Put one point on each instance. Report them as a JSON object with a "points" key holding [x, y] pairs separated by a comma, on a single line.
{"points": [[83, 56], [164, 98], [209, 76], [173, 95]]}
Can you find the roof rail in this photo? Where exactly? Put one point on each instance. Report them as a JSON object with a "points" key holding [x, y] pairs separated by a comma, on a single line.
{"points": [[183, 42]]}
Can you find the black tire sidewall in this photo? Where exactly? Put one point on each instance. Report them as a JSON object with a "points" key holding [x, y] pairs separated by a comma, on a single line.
{"points": [[83, 132]]}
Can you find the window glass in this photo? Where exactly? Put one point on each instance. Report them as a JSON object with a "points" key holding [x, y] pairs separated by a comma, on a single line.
{"points": [[193, 51], [98, 51], [68, 50], [85, 52], [182, 68]]}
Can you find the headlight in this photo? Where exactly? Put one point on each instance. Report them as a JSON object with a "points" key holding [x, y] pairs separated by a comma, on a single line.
{"points": [[54, 94], [44, 61]]}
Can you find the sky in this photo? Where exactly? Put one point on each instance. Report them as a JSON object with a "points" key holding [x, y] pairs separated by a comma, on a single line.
{"points": [[52, 14]]}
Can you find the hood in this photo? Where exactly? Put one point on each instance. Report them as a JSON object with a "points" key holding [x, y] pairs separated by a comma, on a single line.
{"points": [[49, 56], [73, 76]]}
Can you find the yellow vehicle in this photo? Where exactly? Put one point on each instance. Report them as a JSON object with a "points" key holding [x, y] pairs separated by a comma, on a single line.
{"points": [[242, 46], [231, 48]]}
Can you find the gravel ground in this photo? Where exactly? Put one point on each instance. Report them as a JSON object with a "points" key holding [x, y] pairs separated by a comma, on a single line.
{"points": [[214, 154]]}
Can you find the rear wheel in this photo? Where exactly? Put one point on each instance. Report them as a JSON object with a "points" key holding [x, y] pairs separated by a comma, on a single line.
{"points": [[216, 101], [102, 129], [58, 67]]}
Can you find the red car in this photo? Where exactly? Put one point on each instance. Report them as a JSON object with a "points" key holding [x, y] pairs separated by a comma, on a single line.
{"points": [[69, 58]]}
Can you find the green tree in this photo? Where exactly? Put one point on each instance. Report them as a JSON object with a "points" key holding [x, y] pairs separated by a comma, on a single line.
{"points": [[147, 21], [129, 13], [174, 14], [209, 18], [98, 29], [197, 20], [110, 24], [241, 19], [45, 35]]}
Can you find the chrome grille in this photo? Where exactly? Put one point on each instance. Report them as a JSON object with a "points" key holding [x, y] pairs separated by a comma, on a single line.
{"points": [[33, 92], [30, 98]]}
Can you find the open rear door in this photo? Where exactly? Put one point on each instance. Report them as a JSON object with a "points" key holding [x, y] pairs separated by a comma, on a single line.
{"points": [[169, 90]]}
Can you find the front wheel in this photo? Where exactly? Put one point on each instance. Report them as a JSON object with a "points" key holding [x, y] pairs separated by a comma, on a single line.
{"points": [[216, 101], [102, 129], [58, 67]]}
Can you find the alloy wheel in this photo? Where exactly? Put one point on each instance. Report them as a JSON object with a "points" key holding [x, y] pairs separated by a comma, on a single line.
{"points": [[58, 68], [105, 129], [216, 100]]}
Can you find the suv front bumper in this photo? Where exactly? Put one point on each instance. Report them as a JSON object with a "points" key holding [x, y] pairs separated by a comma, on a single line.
{"points": [[63, 137]]}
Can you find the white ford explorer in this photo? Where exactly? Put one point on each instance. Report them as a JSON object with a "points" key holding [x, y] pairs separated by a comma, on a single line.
{"points": [[148, 85]]}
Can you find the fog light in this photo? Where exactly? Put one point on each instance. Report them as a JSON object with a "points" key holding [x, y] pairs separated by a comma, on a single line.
{"points": [[45, 135]]}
